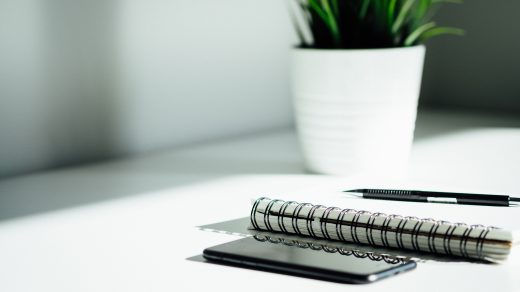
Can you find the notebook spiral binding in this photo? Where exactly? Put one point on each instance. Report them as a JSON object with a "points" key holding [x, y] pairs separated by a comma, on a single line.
{"points": [[364, 227], [331, 249]]}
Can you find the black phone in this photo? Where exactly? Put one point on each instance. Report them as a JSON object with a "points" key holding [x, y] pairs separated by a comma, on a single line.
{"points": [[308, 260]]}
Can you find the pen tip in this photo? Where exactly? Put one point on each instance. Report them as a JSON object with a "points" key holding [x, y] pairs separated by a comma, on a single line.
{"points": [[354, 195], [354, 191]]}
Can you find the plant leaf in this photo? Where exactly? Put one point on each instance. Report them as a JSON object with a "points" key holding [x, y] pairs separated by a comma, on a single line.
{"points": [[422, 9], [391, 12], [297, 27], [440, 31], [319, 11], [364, 8], [367, 23], [407, 5], [333, 24], [335, 8], [414, 36]]}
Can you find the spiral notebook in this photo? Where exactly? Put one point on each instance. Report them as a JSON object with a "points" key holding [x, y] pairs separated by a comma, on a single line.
{"points": [[378, 229]]}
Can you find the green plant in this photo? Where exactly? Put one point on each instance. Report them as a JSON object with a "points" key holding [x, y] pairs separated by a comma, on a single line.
{"points": [[368, 23]]}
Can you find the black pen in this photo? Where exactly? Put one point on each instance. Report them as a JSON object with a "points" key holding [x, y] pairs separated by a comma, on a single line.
{"points": [[436, 197]]}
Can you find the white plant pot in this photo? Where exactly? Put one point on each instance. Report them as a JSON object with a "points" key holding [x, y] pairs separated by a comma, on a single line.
{"points": [[355, 109]]}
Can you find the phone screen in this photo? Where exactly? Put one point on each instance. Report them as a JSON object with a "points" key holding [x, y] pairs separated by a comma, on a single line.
{"points": [[313, 260]]}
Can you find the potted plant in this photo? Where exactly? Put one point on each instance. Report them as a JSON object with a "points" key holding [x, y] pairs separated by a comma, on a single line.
{"points": [[356, 78]]}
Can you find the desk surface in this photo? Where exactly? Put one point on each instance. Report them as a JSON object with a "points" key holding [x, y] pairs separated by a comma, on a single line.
{"points": [[126, 225]]}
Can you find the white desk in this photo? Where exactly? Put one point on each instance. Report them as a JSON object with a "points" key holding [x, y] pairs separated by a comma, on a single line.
{"points": [[125, 226]]}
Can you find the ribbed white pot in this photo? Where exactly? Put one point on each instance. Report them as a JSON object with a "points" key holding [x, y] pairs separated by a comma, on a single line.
{"points": [[356, 109]]}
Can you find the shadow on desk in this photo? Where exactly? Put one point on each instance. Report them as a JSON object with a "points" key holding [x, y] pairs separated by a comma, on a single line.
{"points": [[64, 188], [275, 153]]}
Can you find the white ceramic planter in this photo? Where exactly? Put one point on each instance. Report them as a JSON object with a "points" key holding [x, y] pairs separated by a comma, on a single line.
{"points": [[356, 109]]}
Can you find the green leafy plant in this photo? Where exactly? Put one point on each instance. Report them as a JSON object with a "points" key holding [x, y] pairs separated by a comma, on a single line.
{"points": [[367, 23]]}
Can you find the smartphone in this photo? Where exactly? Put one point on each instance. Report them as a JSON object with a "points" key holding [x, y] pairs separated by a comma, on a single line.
{"points": [[311, 261]]}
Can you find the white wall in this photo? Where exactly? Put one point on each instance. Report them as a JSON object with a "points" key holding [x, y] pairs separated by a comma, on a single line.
{"points": [[82, 80]]}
